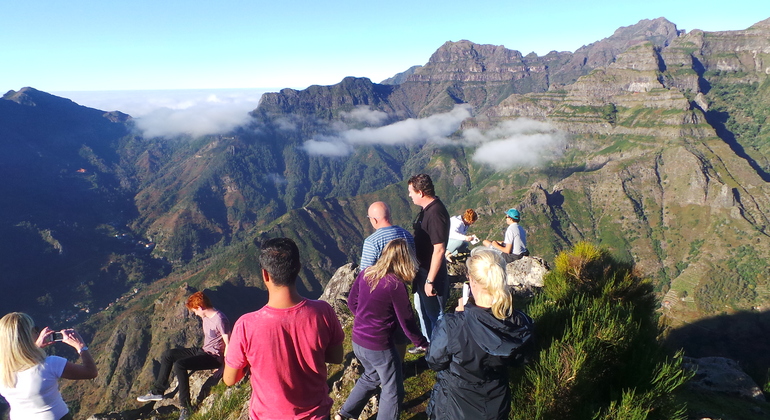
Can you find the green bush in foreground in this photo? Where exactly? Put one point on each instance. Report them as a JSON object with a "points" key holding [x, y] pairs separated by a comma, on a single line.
{"points": [[599, 355]]}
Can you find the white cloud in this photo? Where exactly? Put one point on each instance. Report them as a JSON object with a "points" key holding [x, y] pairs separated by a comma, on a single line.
{"points": [[513, 143], [327, 148], [169, 113], [411, 131], [363, 114], [286, 124], [277, 179], [210, 117]]}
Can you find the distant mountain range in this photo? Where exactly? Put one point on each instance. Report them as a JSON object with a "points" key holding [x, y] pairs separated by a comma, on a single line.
{"points": [[653, 143]]}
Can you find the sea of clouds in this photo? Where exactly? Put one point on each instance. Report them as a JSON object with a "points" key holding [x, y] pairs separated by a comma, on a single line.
{"points": [[512, 143], [171, 113]]}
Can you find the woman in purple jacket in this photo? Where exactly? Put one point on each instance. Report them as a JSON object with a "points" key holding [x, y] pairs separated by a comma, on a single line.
{"points": [[379, 301]]}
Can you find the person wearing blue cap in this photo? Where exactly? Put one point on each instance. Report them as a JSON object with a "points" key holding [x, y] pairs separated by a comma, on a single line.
{"points": [[514, 244]]}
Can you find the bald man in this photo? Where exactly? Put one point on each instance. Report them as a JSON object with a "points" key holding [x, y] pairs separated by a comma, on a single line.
{"points": [[385, 231]]}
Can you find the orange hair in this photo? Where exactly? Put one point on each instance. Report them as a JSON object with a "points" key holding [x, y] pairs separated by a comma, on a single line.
{"points": [[199, 300], [470, 216]]}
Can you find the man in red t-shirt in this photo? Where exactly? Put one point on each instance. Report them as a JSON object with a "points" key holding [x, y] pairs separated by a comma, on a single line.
{"points": [[286, 344]]}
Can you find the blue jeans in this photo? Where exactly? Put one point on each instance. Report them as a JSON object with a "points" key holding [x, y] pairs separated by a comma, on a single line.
{"points": [[455, 245], [430, 308], [381, 368]]}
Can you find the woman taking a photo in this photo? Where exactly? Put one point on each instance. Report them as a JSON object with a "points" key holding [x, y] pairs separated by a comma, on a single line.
{"points": [[472, 348], [29, 380], [379, 301]]}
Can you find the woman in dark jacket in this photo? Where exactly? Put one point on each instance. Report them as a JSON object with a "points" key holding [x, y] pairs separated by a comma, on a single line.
{"points": [[472, 348]]}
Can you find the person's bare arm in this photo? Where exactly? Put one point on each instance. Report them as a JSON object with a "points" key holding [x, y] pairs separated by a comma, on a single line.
{"points": [[500, 246], [435, 264], [232, 376], [226, 339], [85, 370]]}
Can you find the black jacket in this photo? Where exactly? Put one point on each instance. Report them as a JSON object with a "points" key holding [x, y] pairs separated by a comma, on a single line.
{"points": [[471, 351]]}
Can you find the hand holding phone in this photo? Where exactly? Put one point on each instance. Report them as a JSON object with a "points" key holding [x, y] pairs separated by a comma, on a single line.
{"points": [[53, 336]]}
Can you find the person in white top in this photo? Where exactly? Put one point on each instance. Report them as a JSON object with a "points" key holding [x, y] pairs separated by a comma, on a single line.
{"points": [[458, 227], [514, 244], [29, 380]]}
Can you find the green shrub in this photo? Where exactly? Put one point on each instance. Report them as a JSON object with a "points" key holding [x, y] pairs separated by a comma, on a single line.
{"points": [[599, 358]]}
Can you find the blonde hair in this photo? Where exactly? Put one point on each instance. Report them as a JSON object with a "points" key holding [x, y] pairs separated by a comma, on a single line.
{"points": [[487, 269], [470, 216], [18, 350], [396, 258]]}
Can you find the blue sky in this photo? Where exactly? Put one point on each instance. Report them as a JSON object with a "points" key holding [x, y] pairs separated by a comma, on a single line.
{"points": [[86, 45]]}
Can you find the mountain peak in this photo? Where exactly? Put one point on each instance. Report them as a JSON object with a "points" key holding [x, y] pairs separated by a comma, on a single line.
{"points": [[659, 31], [32, 97]]}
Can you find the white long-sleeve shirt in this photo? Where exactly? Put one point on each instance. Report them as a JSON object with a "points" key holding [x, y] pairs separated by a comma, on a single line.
{"points": [[457, 228]]}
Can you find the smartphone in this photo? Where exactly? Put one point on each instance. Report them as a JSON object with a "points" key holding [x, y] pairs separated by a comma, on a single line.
{"points": [[466, 292], [58, 336]]}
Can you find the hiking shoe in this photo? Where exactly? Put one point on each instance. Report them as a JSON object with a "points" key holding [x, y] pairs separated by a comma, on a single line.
{"points": [[417, 350], [184, 414], [150, 397]]}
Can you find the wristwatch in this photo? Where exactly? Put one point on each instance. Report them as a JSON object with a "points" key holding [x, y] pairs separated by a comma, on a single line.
{"points": [[428, 281]]}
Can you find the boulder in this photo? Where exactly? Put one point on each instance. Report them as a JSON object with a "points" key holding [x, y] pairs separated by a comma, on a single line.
{"points": [[722, 375], [201, 383], [526, 274], [336, 291]]}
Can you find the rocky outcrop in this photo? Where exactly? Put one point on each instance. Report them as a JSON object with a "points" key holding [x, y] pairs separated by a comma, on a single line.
{"points": [[722, 375], [465, 61], [659, 32], [201, 383], [609, 100], [732, 51], [526, 275], [328, 101], [337, 290]]}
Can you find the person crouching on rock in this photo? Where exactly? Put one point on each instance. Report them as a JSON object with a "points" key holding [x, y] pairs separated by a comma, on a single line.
{"points": [[458, 240], [216, 333], [380, 302]]}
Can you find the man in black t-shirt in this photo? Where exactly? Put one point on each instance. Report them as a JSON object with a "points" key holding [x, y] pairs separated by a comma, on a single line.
{"points": [[431, 233]]}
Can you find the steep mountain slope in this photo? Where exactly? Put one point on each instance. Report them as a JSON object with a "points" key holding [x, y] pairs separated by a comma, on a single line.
{"points": [[670, 184], [64, 202]]}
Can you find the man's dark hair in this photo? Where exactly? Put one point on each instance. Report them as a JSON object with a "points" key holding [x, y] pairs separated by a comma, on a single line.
{"points": [[422, 183], [280, 258]]}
